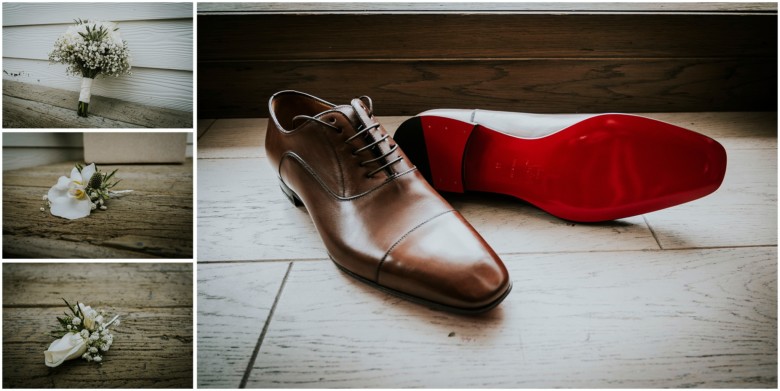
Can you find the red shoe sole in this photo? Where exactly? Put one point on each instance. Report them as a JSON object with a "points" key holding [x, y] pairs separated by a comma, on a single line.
{"points": [[606, 167]]}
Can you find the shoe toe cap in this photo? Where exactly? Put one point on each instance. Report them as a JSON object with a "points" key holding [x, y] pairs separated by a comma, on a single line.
{"points": [[445, 261]]}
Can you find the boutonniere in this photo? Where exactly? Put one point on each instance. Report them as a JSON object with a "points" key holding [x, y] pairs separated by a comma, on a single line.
{"points": [[86, 189], [84, 332]]}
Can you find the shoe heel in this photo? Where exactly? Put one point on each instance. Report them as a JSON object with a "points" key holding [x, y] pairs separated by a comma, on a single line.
{"points": [[437, 146], [290, 194], [410, 138]]}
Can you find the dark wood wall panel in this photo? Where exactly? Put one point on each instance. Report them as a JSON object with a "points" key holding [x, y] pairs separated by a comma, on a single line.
{"points": [[544, 86], [534, 62], [389, 36]]}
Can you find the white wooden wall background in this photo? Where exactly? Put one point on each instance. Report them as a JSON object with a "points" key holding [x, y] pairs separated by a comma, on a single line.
{"points": [[24, 149], [159, 36]]}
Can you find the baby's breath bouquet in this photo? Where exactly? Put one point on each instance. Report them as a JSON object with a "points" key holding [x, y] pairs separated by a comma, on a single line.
{"points": [[91, 48], [82, 332]]}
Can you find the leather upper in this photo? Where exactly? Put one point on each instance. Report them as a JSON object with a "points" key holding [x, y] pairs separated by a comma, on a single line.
{"points": [[392, 228]]}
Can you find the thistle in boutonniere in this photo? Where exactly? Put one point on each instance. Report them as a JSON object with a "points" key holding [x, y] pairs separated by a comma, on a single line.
{"points": [[89, 49], [84, 332], [85, 190]]}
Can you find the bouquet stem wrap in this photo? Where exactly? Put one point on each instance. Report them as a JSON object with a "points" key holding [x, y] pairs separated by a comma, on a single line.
{"points": [[86, 93]]}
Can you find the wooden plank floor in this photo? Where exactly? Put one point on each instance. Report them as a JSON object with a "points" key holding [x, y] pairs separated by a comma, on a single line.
{"points": [[153, 221], [32, 106], [685, 297], [153, 345]]}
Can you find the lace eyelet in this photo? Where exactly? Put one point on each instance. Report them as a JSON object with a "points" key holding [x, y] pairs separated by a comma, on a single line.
{"points": [[332, 120]]}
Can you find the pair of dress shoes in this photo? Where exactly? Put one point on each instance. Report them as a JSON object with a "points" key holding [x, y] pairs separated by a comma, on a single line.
{"points": [[382, 221]]}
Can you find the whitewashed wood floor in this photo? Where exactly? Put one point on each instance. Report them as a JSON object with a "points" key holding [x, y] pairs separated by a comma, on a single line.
{"points": [[684, 297]]}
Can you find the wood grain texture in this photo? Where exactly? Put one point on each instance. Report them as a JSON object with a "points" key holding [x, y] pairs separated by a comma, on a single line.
{"points": [[16, 14], [170, 89], [550, 7], [249, 219], [696, 318], [521, 57], [233, 138], [204, 125], [742, 212], [234, 300], [407, 87], [154, 221], [109, 108], [22, 113], [390, 36], [151, 285], [153, 344], [165, 44]]}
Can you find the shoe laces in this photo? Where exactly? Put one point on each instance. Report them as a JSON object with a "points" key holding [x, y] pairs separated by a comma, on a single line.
{"points": [[364, 131]]}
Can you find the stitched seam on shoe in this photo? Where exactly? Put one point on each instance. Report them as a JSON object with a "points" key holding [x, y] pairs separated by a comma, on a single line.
{"points": [[322, 184], [397, 242], [341, 170]]}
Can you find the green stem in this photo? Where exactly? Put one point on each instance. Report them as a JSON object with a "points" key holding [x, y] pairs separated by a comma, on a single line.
{"points": [[83, 109]]}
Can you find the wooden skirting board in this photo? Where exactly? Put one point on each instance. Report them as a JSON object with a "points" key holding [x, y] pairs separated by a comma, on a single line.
{"points": [[569, 58], [32, 106]]}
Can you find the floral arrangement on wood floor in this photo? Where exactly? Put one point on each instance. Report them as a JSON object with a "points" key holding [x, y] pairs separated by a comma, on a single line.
{"points": [[89, 49], [86, 189], [83, 333]]}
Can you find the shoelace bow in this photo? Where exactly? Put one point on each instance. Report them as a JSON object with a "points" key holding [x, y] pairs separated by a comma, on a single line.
{"points": [[363, 130]]}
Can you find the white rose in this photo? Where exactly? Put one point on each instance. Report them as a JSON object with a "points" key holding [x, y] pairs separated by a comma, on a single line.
{"points": [[68, 347]]}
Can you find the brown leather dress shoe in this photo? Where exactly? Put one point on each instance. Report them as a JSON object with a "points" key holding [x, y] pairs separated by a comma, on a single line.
{"points": [[379, 219]]}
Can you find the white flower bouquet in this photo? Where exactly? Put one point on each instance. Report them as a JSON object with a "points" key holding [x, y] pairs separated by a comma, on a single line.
{"points": [[85, 190], [89, 49], [84, 332]]}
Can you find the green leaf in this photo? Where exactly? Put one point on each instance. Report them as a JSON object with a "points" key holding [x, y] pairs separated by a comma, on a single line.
{"points": [[111, 174], [70, 306], [63, 322]]}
